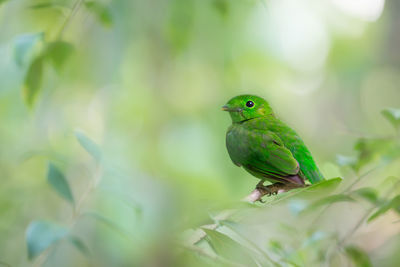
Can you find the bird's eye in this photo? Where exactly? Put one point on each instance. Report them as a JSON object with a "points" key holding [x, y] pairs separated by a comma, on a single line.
{"points": [[250, 104]]}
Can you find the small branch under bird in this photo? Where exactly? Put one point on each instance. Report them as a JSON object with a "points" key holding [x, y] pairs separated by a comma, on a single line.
{"points": [[267, 148]]}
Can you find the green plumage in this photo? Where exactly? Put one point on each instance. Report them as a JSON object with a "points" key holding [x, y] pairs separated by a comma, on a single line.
{"points": [[265, 146]]}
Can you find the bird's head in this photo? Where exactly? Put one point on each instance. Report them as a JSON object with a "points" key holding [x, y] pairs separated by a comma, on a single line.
{"points": [[245, 107]]}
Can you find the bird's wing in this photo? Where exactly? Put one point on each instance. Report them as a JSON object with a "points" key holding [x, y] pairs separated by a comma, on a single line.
{"points": [[268, 156]]}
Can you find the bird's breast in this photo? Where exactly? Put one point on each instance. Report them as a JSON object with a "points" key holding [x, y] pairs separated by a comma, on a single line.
{"points": [[237, 145]]}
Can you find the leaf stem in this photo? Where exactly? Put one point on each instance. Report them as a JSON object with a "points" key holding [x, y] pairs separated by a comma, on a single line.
{"points": [[76, 212], [68, 20], [359, 223]]}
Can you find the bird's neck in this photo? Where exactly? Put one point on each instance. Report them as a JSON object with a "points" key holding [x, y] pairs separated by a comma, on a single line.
{"points": [[269, 117]]}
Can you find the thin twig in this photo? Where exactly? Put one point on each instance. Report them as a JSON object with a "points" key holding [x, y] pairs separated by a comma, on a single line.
{"points": [[255, 247], [359, 223], [355, 228], [360, 177], [76, 212], [346, 190], [68, 20], [92, 185]]}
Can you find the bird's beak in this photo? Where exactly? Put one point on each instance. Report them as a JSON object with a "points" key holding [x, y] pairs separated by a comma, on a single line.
{"points": [[227, 108]]}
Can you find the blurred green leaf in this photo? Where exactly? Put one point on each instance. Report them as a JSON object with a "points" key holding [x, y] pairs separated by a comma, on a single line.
{"points": [[49, 5], [101, 11], [78, 244], [359, 257], [180, 24], [222, 6], [33, 81], [229, 248], [90, 146], [371, 149], [391, 182], [393, 116], [321, 188], [58, 52], [277, 247], [328, 200], [368, 193], [41, 235], [26, 46], [326, 184], [42, 5], [59, 183], [394, 203]]}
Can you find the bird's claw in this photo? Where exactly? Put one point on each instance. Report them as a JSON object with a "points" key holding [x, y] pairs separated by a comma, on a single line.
{"points": [[274, 189], [268, 190]]}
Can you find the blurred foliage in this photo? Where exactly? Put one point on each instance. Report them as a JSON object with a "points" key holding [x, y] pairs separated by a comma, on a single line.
{"points": [[117, 105]]}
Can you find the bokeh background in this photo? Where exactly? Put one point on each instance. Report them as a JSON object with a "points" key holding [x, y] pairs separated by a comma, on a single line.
{"points": [[139, 85]]}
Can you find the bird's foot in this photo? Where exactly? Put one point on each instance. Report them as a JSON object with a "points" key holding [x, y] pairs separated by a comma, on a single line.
{"points": [[273, 189], [268, 190]]}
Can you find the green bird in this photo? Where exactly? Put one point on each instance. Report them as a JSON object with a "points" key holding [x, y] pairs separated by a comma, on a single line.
{"points": [[266, 147]]}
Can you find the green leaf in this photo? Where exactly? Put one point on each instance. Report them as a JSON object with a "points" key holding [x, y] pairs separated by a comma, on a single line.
{"points": [[91, 147], [26, 47], [58, 52], [328, 200], [59, 183], [326, 184], [359, 257], [277, 247], [179, 26], [42, 5], [394, 203], [368, 193], [390, 183], [222, 6], [33, 81], [393, 116], [49, 5], [78, 244], [61, 7], [229, 248], [41, 235], [372, 149], [321, 188], [101, 12]]}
